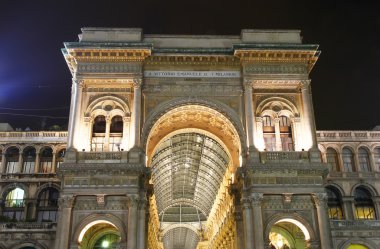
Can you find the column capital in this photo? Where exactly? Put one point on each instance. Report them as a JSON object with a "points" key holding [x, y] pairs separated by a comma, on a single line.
{"points": [[305, 84], [248, 84], [137, 82], [246, 202], [320, 199], [66, 201], [257, 198], [78, 82], [259, 119], [126, 119], [133, 201], [87, 119]]}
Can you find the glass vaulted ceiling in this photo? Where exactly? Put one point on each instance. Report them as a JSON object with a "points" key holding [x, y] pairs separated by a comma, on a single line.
{"points": [[187, 170]]}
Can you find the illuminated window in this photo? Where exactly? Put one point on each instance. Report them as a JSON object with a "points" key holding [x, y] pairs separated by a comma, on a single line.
{"points": [[332, 159], [286, 134], [334, 204], [48, 205], [116, 133], [364, 160], [14, 203], [269, 133], [12, 157], [46, 160], [348, 160], [363, 204], [29, 159], [60, 157]]}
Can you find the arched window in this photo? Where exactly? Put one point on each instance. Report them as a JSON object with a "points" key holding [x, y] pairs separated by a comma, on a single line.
{"points": [[14, 203], [364, 207], [334, 204], [286, 134], [29, 159], [116, 133], [116, 125], [98, 133], [332, 159], [364, 160], [46, 160], [48, 205], [12, 157], [269, 133], [377, 159], [348, 160], [60, 157]]}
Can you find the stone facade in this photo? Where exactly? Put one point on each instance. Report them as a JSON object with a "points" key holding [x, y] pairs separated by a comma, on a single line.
{"points": [[190, 142]]}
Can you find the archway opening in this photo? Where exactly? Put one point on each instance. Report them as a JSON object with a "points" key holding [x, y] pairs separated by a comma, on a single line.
{"points": [[357, 246], [288, 234], [98, 235]]}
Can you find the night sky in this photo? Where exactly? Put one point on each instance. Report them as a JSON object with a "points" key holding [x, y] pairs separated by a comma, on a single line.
{"points": [[345, 80]]}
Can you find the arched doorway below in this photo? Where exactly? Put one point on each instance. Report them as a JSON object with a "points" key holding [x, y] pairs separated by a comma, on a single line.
{"points": [[357, 246], [288, 234], [98, 235]]}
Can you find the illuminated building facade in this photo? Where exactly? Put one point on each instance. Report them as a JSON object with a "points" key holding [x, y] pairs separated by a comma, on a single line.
{"points": [[190, 142]]}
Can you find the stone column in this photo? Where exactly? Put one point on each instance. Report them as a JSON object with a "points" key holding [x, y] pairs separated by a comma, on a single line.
{"points": [[63, 234], [141, 235], [37, 164], [277, 134], [297, 134], [260, 133], [249, 112], [54, 163], [320, 201], [348, 210], [74, 118], [258, 230], [132, 223], [19, 163], [3, 163], [33, 210], [106, 146], [247, 221], [88, 121], [126, 133], [308, 112], [136, 113]]}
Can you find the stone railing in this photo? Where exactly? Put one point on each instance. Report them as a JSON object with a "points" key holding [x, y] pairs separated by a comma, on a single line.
{"points": [[280, 156], [95, 156], [35, 136], [28, 225], [355, 224], [347, 135]]}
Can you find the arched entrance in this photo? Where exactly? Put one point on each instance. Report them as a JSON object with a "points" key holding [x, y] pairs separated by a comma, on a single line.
{"points": [[193, 151], [99, 234], [289, 234]]}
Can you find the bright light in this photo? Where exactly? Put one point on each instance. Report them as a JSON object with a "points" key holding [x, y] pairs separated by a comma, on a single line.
{"points": [[105, 244], [299, 225]]}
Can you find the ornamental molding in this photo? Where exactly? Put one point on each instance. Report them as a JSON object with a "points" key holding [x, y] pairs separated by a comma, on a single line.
{"points": [[193, 89], [307, 57], [275, 69], [276, 83], [66, 201], [262, 97], [96, 67], [207, 60]]}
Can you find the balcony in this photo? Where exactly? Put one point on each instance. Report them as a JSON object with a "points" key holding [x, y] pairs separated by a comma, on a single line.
{"points": [[34, 136], [283, 156], [355, 224]]}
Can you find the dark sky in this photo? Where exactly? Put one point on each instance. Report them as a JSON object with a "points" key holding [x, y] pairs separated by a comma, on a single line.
{"points": [[345, 80]]}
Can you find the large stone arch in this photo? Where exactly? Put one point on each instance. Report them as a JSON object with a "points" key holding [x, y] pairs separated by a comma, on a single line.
{"points": [[29, 242], [283, 217], [230, 130], [356, 240], [177, 225], [105, 218]]}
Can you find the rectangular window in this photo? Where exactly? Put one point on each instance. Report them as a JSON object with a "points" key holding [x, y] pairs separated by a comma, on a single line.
{"points": [[28, 167], [365, 213], [12, 167]]}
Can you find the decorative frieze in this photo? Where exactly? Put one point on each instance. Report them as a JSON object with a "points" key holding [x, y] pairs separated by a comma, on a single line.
{"points": [[84, 68], [275, 69]]}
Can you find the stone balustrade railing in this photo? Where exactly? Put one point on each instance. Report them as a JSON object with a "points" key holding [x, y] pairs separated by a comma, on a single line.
{"points": [[116, 155], [347, 135], [36, 136], [27, 225], [355, 224], [280, 156]]}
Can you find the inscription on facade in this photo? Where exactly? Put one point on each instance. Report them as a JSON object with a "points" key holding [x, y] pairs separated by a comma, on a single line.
{"points": [[192, 74]]}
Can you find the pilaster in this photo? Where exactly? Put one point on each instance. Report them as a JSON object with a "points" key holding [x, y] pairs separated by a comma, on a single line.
{"points": [[65, 204], [320, 202], [258, 231], [132, 222], [136, 114]]}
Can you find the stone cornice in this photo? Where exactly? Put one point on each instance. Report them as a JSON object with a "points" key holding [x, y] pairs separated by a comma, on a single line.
{"points": [[308, 57], [101, 168], [193, 59]]}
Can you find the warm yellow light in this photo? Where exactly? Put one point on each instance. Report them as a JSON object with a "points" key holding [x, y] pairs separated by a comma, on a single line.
{"points": [[105, 244]]}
